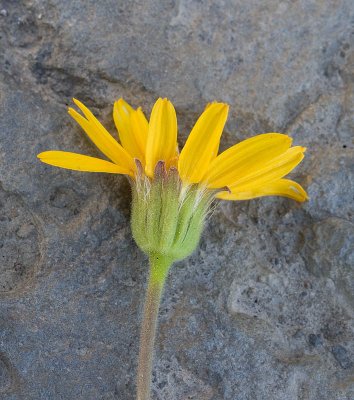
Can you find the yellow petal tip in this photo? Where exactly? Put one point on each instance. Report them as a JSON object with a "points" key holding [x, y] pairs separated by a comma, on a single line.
{"points": [[79, 104], [119, 102], [45, 154]]}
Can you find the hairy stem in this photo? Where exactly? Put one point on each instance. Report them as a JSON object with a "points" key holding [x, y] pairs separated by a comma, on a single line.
{"points": [[159, 267]]}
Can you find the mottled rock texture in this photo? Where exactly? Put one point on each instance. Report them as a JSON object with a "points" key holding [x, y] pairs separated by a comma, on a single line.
{"points": [[264, 309]]}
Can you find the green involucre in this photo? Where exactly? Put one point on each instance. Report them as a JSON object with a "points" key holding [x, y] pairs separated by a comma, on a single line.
{"points": [[167, 218]]}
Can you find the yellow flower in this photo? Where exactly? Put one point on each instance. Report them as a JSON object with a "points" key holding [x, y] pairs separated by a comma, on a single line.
{"points": [[172, 192], [252, 168]]}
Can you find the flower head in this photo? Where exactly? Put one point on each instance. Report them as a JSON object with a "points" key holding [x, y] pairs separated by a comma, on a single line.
{"points": [[252, 168], [170, 189]]}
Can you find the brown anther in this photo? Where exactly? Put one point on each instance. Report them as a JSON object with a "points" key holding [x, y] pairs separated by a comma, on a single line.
{"points": [[222, 189]]}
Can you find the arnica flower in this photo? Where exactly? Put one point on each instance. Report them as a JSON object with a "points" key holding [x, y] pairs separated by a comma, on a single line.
{"points": [[172, 191]]}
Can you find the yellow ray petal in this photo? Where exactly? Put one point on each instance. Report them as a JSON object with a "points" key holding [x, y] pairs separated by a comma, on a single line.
{"points": [[203, 143], [273, 170], [245, 157], [281, 187], [132, 127], [79, 162], [101, 137], [140, 127], [162, 135]]}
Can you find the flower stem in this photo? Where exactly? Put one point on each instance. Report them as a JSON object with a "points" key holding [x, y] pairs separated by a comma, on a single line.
{"points": [[159, 266]]}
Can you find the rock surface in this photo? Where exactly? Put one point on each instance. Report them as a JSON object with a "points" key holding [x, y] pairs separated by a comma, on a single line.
{"points": [[264, 309]]}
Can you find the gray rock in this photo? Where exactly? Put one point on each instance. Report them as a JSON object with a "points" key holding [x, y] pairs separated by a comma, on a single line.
{"points": [[264, 308], [341, 355]]}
